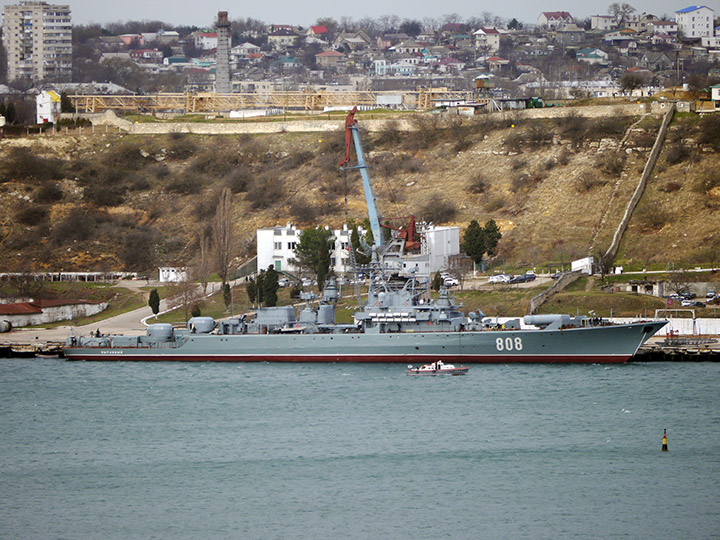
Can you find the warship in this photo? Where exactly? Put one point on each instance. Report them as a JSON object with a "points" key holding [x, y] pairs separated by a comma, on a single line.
{"points": [[399, 321]]}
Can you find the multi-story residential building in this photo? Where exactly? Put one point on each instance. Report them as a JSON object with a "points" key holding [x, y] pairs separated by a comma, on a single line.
{"points": [[554, 19], [695, 21], [38, 41], [602, 23]]}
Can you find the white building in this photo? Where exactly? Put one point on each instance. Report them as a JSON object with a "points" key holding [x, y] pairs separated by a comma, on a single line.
{"points": [[276, 246], [583, 265], [487, 38], [170, 274], [205, 40], [554, 19], [442, 243], [602, 22], [47, 105], [38, 41], [695, 21]]}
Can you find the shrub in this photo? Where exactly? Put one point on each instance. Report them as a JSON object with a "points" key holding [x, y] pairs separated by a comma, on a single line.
{"points": [[608, 126], [708, 180], [514, 141], [296, 159], [564, 157], [518, 163], [181, 147], [676, 153], [710, 131], [390, 135], [48, 193], [523, 182], [238, 180], [124, 155], [136, 250], [304, 211], [573, 127], [671, 187], [100, 195], [23, 163], [588, 181], [186, 185], [438, 209], [79, 225], [611, 163], [427, 130], [265, 191], [31, 215], [495, 202], [651, 216], [477, 184], [136, 182], [159, 170]]}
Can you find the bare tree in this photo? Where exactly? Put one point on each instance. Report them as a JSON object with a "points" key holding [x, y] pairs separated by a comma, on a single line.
{"points": [[222, 231], [184, 293], [203, 266], [621, 12]]}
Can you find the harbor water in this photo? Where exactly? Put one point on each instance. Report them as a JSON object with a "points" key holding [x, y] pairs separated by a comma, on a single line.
{"points": [[326, 451]]}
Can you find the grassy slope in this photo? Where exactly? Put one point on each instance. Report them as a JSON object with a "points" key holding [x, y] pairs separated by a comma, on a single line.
{"points": [[545, 215]]}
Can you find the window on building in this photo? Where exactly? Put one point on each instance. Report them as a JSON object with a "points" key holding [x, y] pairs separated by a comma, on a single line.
{"points": [[291, 245], [277, 245]]}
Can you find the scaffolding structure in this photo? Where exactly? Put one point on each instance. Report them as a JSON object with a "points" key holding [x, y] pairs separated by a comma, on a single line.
{"points": [[308, 101]]}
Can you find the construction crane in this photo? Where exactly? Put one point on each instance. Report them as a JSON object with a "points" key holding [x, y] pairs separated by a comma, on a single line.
{"points": [[352, 134]]}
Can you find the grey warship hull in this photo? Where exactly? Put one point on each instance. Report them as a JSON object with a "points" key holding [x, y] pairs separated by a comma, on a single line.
{"points": [[597, 344]]}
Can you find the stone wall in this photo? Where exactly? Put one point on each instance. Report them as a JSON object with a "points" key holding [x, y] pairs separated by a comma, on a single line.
{"points": [[58, 313], [109, 118]]}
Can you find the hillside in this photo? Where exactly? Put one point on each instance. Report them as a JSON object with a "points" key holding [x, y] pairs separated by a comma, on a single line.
{"points": [[557, 188]]}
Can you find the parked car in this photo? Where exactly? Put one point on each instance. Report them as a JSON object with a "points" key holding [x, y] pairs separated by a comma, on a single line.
{"points": [[688, 295], [692, 303], [284, 282], [500, 278], [307, 282], [710, 293], [451, 282]]}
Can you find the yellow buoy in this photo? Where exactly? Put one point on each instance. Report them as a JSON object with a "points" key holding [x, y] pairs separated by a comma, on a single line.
{"points": [[664, 443]]}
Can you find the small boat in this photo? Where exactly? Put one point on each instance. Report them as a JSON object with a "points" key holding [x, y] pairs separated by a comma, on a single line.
{"points": [[437, 368]]}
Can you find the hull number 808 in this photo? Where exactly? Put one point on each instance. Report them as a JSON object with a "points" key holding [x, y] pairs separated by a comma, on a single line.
{"points": [[508, 344]]}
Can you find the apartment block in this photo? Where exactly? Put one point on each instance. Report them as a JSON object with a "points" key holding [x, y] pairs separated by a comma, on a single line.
{"points": [[38, 41]]}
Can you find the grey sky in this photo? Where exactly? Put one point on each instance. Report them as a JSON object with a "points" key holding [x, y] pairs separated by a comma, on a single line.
{"points": [[202, 13]]}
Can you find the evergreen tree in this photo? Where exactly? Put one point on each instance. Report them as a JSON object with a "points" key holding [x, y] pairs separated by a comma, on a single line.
{"points": [[66, 105], [492, 236], [154, 302], [312, 252], [227, 296], [270, 287], [437, 282], [474, 242], [251, 289], [10, 113]]}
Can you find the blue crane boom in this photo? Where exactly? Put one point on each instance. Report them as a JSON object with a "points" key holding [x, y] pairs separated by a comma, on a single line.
{"points": [[352, 132]]}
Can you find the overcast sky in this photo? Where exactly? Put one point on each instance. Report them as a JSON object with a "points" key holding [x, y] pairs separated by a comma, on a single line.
{"points": [[203, 13]]}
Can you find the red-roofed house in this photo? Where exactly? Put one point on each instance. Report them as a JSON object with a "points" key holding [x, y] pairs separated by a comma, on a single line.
{"points": [[205, 40], [317, 31], [487, 38], [496, 63], [554, 19], [329, 58], [147, 56]]}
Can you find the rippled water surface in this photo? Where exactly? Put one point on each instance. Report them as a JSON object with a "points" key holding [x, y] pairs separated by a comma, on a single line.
{"points": [[204, 451]]}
